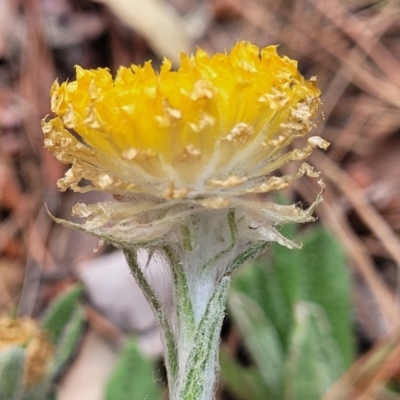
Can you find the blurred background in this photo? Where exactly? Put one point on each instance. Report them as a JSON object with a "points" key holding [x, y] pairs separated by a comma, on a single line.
{"points": [[353, 47]]}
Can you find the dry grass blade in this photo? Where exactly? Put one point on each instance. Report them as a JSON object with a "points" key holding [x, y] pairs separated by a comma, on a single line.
{"points": [[157, 21], [362, 205], [363, 36], [365, 378]]}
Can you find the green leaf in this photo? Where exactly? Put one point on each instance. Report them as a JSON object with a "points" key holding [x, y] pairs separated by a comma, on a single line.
{"points": [[326, 282], [245, 383], [44, 394], [317, 274], [59, 313], [64, 320], [314, 361], [285, 266], [261, 339], [267, 286], [68, 340], [133, 377], [274, 282], [51, 396], [12, 373]]}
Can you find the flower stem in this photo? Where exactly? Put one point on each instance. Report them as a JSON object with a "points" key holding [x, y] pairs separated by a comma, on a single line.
{"points": [[202, 364], [171, 351], [200, 267], [184, 307]]}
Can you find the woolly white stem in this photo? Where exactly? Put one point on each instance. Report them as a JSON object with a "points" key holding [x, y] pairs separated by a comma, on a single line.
{"points": [[200, 269]]}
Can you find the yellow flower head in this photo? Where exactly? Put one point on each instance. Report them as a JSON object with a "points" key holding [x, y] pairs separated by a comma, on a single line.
{"points": [[26, 333], [201, 137]]}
